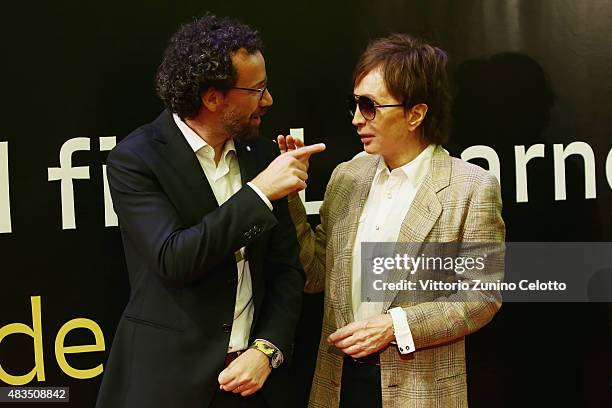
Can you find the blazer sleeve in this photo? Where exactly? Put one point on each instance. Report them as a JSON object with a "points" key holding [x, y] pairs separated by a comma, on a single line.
{"points": [[179, 254], [433, 323], [281, 308], [313, 244]]}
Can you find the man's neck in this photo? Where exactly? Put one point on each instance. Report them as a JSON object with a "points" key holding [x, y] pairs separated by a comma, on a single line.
{"points": [[405, 156], [214, 139]]}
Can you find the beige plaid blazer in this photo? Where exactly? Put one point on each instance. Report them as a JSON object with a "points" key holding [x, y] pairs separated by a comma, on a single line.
{"points": [[457, 202]]}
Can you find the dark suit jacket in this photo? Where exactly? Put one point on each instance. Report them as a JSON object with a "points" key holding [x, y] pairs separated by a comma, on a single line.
{"points": [[179, 244]]}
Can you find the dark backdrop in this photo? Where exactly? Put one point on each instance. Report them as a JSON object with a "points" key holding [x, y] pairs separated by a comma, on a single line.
{"points": [[523, 72]]}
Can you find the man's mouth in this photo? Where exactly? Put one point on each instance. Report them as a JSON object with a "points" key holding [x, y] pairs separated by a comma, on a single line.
{"points": [[256, 117]]}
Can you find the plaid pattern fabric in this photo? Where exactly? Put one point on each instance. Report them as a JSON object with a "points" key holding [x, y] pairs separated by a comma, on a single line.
{"points": [[457, 202]]}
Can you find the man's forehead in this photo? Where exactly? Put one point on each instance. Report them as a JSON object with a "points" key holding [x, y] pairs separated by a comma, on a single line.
{"points": [[250, 66], [242, 53], [372, 84]]}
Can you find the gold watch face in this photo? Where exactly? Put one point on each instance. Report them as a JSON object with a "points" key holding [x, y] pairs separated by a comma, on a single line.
{"points": [[264, 348], [270, 352]]}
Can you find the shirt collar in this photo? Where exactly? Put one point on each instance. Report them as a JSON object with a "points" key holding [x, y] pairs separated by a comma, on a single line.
{"points": [[414, 171], [196, 142]]}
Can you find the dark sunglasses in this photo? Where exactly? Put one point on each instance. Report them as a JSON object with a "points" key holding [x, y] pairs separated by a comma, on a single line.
{"points": [[367, 106]]}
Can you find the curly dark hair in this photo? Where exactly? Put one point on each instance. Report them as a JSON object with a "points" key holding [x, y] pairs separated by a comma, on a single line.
{"points": [[199, 57], [414, 72]]}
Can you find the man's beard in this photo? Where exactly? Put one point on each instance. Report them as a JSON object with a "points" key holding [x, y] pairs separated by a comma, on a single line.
{"points": [[238, 129]]}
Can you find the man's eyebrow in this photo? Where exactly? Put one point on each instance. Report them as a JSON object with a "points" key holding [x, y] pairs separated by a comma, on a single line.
{"points": [[262, 82], [372, 97]]}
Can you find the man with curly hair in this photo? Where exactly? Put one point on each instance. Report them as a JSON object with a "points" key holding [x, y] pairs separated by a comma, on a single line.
{"points": [[211, 250]]}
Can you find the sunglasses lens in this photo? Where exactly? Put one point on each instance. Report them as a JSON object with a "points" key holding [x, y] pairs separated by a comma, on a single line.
{"points": [[367, 107]]}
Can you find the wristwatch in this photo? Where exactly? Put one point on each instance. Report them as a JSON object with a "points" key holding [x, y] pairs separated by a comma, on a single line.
{"points": [[273, 354]]}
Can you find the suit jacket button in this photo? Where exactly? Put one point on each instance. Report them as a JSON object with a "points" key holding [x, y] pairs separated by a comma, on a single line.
{"points": [[227, 328]]}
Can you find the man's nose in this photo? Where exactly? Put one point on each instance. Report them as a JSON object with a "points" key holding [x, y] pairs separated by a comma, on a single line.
{"points": [[266, 99], [358, 118]]}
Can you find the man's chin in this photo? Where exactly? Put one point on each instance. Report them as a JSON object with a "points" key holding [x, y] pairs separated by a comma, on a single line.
{"points": [[247, 133], [369, 148]]}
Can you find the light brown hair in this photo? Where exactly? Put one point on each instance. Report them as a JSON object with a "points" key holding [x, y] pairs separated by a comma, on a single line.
{"points": [[414, 72]]}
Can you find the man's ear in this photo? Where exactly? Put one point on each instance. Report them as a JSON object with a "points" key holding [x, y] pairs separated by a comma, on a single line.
{"points": [[416, 116], [212, 99]]}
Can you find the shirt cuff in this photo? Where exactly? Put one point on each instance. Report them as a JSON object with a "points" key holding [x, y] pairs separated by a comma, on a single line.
{"points": [[260, 194], [282, 358], [403, 335]]}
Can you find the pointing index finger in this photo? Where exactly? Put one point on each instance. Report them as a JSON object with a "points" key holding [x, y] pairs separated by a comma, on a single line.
{"points": [[307, 150]]}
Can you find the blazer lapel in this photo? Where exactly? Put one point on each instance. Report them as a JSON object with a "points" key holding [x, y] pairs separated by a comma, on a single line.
{"points": [[246, 160], [422, 214], [345, 232], [185, 163]]}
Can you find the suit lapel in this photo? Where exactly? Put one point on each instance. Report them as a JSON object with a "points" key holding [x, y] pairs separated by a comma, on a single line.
{"points": [[422, 214], [246, 159], [185, 163], [345, 232]]}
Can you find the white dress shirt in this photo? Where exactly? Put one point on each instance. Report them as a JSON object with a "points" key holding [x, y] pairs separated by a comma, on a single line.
{"points": [[224, 179], [390, 197]]}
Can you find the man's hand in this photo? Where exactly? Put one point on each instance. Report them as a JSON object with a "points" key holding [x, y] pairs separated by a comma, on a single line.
{"points": [[246, 374], [360, 339], [288, 143], [287, 173]]}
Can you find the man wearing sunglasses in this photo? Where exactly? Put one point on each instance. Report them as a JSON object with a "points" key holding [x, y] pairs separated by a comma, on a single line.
{"points": [[396, 353], [215, 278]]}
